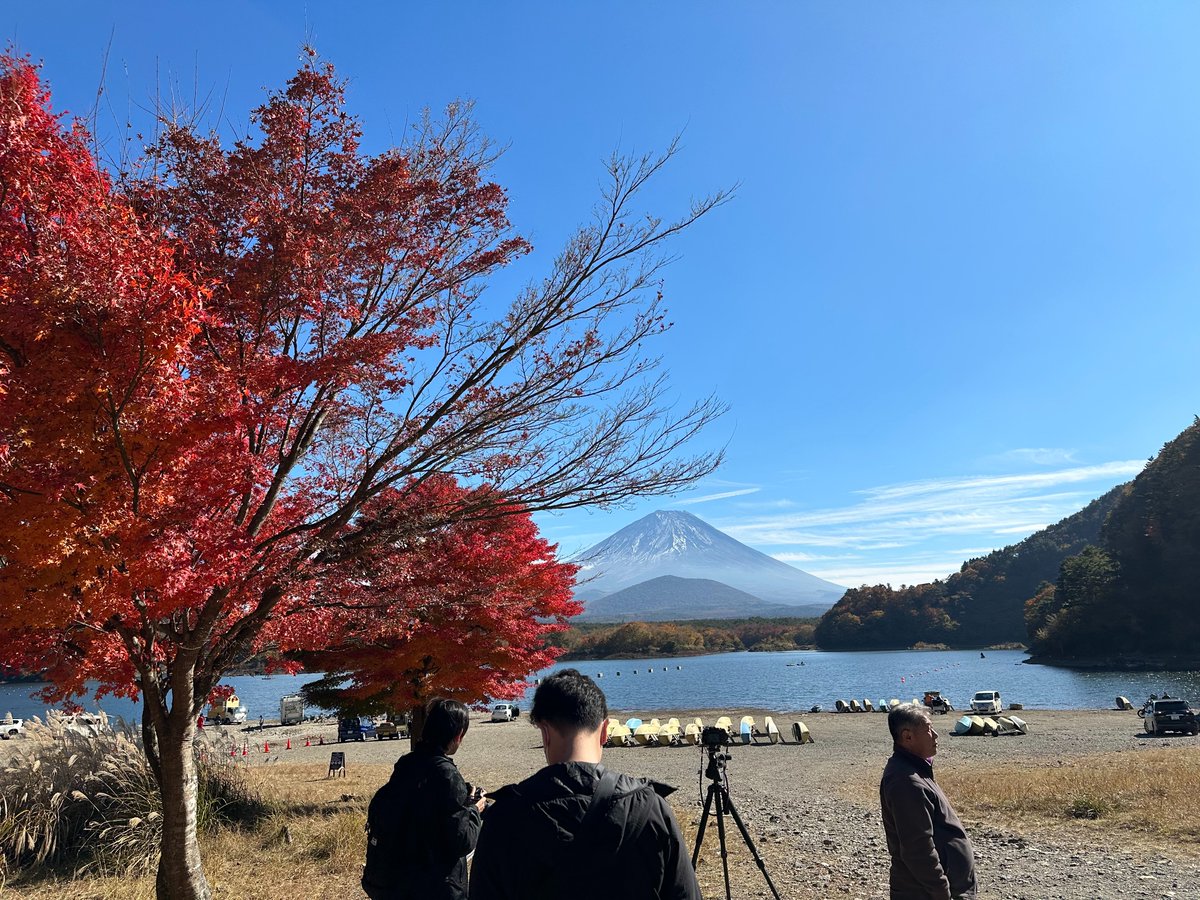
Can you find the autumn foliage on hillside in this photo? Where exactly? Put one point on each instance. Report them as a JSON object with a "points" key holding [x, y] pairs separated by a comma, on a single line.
{"points": [[638, 639], [980, 605], [1131, 598]]}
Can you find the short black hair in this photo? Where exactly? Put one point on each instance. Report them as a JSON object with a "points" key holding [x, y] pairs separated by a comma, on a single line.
{"points": [[907, 715], [444, 721], [570, 701]]}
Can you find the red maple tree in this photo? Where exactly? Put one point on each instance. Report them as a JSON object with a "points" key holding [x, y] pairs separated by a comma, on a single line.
{"points": [[461, 610], [219, 373]]}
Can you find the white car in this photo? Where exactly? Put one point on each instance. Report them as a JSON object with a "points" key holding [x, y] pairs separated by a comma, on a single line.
{"points": [[11, 728], [505, 712], [986, 702]]}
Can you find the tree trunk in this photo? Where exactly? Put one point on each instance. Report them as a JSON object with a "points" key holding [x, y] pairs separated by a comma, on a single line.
{"points": [[416, 727], [180, 872]]}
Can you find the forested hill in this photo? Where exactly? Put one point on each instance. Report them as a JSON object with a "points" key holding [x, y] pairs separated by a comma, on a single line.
{"points": [[982, 604], [1133, 599]]}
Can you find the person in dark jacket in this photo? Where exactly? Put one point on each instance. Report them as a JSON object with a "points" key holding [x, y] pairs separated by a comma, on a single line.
{"points": [[422, 824], [932, 858], [576, 829]]}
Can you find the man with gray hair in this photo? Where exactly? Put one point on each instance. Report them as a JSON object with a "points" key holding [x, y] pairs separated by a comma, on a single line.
{"points": [[932, 858]]}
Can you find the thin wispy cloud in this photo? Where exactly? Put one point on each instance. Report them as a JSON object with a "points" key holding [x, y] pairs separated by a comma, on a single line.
{"points": [[897, 532], [888, 573], [1035, 456], [723, 495], [1006, 484]]}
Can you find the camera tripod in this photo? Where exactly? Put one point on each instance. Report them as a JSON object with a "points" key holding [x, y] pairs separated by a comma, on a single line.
{"points": [[718, 797]]}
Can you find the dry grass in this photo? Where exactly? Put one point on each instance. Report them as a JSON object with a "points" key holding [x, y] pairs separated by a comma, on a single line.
{"points": [[1152, 792], [312, 846]]}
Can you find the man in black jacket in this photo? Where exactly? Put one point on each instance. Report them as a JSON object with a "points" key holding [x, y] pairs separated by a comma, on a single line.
{"points": [[422, 824], [932, 858], [576, 829]]}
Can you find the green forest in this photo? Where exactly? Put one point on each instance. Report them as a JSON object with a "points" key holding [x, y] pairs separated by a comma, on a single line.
{"points": [[1131, 599], [649, 639], [983, 604]]}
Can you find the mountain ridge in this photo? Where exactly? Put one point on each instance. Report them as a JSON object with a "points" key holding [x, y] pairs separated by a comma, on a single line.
{"points": [[672, 598]]}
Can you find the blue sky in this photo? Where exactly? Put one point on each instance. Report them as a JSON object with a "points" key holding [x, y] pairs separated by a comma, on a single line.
{"points": [[953, 300]]}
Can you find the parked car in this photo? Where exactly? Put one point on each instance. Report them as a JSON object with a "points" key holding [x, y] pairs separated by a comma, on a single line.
{"points": [[12, 728], [1162, 716], [389, 730], [355, 729], [505, 712], [986, 702]]}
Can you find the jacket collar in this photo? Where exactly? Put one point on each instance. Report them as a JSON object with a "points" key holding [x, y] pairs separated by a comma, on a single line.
{"points": [[922, 765]]}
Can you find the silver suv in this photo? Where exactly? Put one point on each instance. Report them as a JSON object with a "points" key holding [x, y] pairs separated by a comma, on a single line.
{"points": [[11, 728]]}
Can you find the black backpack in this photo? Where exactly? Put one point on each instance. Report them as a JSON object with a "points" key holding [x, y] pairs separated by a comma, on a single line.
{"points": [[386, 832]]}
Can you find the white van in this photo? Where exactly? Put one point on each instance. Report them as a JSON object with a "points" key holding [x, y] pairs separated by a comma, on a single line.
{"points": [[505, 712], [986, 702]]}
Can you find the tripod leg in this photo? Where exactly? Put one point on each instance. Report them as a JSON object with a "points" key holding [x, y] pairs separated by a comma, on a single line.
{"points": [[745, 837], [708, 802], [721, 834]]}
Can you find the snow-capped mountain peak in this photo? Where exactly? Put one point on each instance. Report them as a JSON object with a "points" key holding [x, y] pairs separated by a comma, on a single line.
{"points": [[673, 542]]}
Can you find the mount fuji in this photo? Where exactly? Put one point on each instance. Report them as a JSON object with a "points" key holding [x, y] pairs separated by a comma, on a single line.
{"points": [[676, 543]]}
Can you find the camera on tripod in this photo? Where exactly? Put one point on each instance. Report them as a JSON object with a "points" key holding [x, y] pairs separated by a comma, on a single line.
{"points": [[718, 802]]}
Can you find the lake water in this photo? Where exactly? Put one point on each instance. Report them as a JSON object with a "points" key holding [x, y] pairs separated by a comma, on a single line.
{"points": [[775, 681]]}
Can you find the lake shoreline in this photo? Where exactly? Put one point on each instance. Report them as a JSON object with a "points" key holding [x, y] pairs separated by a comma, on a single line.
{"points": [[1118, 664]]}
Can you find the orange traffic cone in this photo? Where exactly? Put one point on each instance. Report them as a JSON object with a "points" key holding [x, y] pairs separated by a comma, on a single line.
{"points": [[307, 742], [266, 747], [245, 749], [233, 750], [289, 744]]}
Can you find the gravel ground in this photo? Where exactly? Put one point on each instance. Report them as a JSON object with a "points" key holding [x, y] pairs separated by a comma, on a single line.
{"points": [[813, 810]]}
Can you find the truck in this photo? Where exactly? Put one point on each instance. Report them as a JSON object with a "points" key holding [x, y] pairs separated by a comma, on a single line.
{"points": [[227, 712], [291, 709]]}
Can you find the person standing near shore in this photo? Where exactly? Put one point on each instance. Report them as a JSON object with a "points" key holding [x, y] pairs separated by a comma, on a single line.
{"points": [[576, 829], [932, 857], [422, 824]]}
